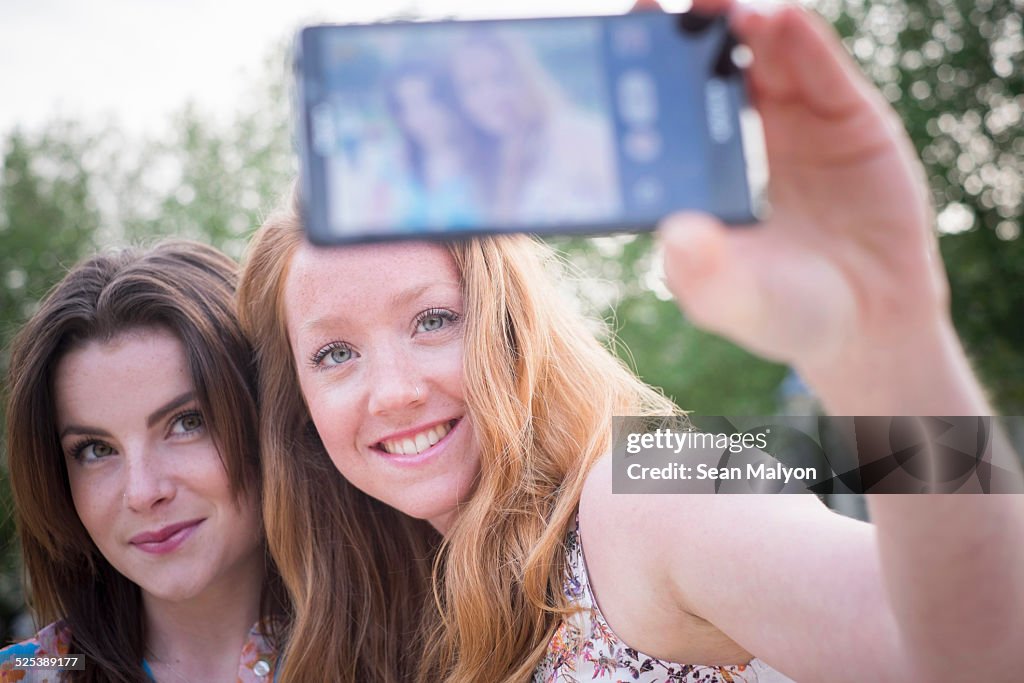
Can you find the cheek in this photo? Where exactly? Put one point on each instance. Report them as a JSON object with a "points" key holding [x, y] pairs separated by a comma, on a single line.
{"points": [[450, 365], [204, 476], [453, 376], [334, 414], [95, 500]]}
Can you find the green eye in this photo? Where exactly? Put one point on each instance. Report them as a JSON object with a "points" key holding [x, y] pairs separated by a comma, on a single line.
{"points": [[91, 450], [187, 422], [192, 422]]}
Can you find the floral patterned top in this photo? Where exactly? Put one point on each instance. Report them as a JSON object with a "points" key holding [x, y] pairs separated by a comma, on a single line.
{"points": [[255, 665], [584, 648]]}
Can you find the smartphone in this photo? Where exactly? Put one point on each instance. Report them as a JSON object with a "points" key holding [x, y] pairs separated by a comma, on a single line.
{"points": [[551, 126]]}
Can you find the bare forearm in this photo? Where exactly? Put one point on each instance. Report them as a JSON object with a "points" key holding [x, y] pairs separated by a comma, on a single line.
{"points": [[894, 373], [953, 564], [954, 569]]}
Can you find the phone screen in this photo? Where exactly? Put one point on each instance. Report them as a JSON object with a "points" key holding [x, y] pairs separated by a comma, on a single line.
{"points": [[541, 125]]}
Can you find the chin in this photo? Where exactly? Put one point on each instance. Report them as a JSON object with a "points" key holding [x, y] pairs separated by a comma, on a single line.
{"points": [[172, 590], [441, 510]]}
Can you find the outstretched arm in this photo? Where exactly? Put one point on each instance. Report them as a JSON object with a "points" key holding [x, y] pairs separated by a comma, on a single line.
{"points": [[845, 283]]}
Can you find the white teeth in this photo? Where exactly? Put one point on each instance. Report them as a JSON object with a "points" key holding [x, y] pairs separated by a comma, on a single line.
{"points": [[418, 443], [422, 443]]}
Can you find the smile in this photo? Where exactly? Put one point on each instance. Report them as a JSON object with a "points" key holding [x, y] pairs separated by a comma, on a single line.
{"points": [[165, 540], [414, 444]]}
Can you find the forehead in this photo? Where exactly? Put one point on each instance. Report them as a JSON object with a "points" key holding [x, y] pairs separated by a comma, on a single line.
{"points": [[135, 371], [343, 277]]}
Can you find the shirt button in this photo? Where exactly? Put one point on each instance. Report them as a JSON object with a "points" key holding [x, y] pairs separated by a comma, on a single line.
{"points": [[261, 668]]}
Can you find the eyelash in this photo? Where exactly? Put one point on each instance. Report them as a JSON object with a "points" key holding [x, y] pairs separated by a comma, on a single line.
{"points": [[444, 313], [188, 413], [316, 360], [79, 447]]}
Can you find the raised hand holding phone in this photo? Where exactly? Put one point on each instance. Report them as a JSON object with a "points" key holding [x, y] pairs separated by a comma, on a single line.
{"points": [[845, 283], [848, 259]]}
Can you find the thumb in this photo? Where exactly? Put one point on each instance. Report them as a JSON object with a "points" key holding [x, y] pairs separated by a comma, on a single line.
{"points": [[780, 300], [707, 273]]}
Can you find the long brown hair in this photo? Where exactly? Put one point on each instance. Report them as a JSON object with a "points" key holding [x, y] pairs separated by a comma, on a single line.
{"points": [[540, 390], [357, 570], [188, 289]]}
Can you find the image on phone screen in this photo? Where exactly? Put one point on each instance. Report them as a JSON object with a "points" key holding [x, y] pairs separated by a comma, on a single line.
{"points": [[510, 125]]}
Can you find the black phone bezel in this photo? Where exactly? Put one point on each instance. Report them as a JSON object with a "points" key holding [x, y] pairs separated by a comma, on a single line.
{"points": [[313, 184]]}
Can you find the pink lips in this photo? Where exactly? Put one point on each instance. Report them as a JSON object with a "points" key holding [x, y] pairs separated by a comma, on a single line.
{"points": [[417, 430], [418, 458], [165, 540]]}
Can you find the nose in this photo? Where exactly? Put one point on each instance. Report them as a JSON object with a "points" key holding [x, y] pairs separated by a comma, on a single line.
{"points": [[396, 384], [147, 484]]}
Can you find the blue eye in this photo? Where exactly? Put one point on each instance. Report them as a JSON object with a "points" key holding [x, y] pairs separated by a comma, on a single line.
{"points": [[339, 355], [334, 353], [431, 323], [434, 319]]}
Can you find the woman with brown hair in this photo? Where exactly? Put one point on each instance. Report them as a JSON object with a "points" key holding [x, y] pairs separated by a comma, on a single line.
{"points": [[133, 454], [469, 412]]}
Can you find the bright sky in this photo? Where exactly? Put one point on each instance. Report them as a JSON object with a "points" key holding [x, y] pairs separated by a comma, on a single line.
{"points": [[136, 61]]}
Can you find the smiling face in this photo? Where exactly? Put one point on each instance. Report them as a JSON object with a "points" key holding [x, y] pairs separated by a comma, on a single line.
{"points": [[146, 478], [422, 114], [492, 90], [377, 339]]}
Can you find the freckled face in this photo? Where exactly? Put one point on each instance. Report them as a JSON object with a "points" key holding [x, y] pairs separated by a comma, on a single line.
{"points": [[146, 478], [377, 337]]}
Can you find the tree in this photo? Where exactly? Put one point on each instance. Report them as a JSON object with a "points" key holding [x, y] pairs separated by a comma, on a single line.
{"points": [[954, 70], [48, 219]]}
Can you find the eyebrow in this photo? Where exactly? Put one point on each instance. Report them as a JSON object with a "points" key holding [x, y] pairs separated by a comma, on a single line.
{"points": [[413, 293], [154, 417], [398, 299]]}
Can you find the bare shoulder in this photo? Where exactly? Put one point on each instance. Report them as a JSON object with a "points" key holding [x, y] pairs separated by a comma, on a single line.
{"points": [[707, 523], [727, 576], [626, 569]]}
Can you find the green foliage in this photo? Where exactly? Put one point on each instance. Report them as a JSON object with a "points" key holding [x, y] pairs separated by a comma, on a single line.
{"points": [[953, 69], [214, 182], [620, 281], [700, 371], [48, 219], [48, 216]]}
